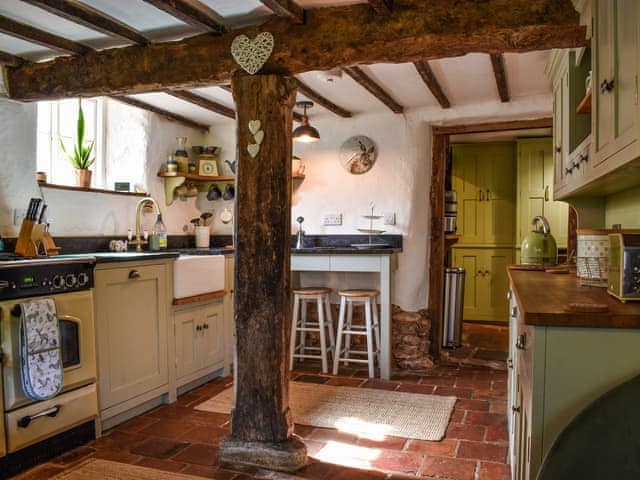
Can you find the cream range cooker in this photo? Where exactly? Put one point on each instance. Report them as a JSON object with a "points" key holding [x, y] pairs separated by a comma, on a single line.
{"points": [[30, 430]]}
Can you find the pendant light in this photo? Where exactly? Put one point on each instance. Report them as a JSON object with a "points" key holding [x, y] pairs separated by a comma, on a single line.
{"points": [[305, 133]]}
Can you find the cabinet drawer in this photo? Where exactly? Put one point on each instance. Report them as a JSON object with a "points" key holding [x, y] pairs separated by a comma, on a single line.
{"points": [[76, 407], [525, 345], [310, 263], [355, 264]]}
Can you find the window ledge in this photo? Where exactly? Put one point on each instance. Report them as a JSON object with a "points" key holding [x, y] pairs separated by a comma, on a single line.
{"points": [[92, 190]]}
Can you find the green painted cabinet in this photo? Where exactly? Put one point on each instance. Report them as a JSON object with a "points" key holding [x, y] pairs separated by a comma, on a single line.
{"points": [[486, 281], [535, 190], [483, 178]]}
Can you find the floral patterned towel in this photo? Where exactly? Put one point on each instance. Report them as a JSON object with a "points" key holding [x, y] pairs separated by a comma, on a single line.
{"points": [[41, 358]]}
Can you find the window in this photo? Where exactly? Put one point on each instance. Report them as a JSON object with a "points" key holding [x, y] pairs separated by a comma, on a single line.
{"points": [[57, 121]]}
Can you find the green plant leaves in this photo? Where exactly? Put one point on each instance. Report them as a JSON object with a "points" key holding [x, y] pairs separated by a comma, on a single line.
{"points": [[81, 156]]}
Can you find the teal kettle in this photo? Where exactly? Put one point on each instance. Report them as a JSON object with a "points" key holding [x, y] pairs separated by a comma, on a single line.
{"points": [[539, 247]]}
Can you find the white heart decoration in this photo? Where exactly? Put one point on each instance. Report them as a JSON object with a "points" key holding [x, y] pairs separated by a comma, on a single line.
{"points": [[253, 149], [254, 126], [251, 55], [259, 136]]}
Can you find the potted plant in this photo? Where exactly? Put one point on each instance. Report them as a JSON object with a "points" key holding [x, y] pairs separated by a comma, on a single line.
{"points": [[81, 159]]}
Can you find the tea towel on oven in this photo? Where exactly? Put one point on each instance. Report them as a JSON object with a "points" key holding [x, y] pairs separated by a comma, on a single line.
{"points": [[40, 351]]}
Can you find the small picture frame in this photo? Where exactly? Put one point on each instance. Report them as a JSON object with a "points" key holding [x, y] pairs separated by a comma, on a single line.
{"points": [[122, 186], [208, 168]]}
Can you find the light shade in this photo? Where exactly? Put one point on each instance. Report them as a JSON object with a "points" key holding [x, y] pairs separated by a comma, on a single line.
{"points": [[305, 134]]}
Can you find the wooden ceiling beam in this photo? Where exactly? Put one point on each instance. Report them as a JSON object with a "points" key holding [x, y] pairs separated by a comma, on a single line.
{"points": [[11, 60], [89, 17], [415, 30], [545, 122], [430, 80], [174, 117], [200, 16], [382, 7], [46, 39], [203, 102], [376, 90], [323, 101], [497, 62], [286, 9]]}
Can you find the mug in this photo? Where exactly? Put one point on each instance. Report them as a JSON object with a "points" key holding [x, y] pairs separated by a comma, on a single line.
{"points": [[202, 237], [214, 192], [229, 192]]}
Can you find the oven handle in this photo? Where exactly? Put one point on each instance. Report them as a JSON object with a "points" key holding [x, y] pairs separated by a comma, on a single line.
{"points": [[49, 412]]}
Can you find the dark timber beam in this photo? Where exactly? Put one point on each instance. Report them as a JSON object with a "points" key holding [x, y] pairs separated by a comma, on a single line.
{"points": [[382, 7], [46, 39], [199, 16], [432, 83], [89, 17], [415, 30], [261, 424], [497, 62], [203, 102], [320, 100], [376, 90], [174, 117], [10, 60], [494, 127], [286, 9]]}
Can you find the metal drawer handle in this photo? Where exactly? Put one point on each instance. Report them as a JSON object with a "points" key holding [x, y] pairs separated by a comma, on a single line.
{"points": [[514, 312], [205, 326], [515, 409], [584, 157], [546, 193], [509, 363], [521, 342], [134, 274], [607, 85], [49, 412], [198, 328]]}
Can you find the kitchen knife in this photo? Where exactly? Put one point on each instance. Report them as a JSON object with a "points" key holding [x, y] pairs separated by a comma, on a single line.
{"points": [[30, 209], [41, 217], [36, 208]]}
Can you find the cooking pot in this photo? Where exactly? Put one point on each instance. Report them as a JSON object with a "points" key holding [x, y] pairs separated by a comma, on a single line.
{"points": [[539, 247]]}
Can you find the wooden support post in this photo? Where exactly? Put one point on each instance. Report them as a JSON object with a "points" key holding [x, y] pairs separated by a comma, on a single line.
{"points": [[261, 424]]}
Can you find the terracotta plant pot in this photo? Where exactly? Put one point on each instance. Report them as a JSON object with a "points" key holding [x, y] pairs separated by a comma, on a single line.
{"points": [[83, 178]]}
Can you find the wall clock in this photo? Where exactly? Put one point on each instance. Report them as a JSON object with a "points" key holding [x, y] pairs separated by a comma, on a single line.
{"points": [[358, 154]]}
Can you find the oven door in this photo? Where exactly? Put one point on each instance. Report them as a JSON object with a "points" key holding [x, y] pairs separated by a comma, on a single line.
{"points": [[75, 314]]}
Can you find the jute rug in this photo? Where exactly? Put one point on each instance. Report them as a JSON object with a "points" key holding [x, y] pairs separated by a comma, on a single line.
{"points": [[362, 411], [95, 469]]}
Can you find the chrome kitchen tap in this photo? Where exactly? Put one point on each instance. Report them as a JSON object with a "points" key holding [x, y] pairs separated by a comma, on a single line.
{"points": [[138, 242], [300, 236]]}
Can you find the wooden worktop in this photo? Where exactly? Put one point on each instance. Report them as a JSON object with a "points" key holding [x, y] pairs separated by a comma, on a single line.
{"points": [[543, 299]]}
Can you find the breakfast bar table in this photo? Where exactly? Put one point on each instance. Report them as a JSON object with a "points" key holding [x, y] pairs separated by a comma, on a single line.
{"points": [[380, 261]]}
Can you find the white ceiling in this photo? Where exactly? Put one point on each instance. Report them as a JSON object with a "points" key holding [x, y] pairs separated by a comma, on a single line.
{"points": [[465, 80]]}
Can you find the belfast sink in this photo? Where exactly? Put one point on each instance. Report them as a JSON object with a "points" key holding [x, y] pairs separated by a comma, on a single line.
{"points": [[197, 274]]}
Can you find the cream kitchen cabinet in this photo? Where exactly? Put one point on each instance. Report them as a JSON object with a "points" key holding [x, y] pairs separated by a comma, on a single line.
{"points": [[132, 311], [229, 322], [486, 282], [199, 337], [3, 446], [535, 190]]}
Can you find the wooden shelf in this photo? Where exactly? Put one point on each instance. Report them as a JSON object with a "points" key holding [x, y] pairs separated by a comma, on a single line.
{"points": [[450, 239], [585, 105], [93, 190], [174, 180]]}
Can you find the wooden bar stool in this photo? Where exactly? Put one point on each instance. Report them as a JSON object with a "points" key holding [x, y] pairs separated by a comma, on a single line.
{"points": [[299, 323], [370, 329]]}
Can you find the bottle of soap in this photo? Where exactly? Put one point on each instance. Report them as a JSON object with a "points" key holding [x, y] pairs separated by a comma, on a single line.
{"points": [[160, 231]]}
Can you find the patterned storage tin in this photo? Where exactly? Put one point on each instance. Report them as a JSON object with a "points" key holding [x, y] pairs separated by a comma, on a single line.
{"points": [[592, 258]]}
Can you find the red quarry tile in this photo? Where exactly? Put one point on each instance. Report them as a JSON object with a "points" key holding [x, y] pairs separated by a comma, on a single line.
{"points": [[314, 446], [443, 448], [210, 472], [168, 429], [393, 461], [380, 384], [454, 392], [497, 434], [158, 447], [500, 385], [449, 468], [413, 388], [166, 465], [486, 394], [388, 443], [353, 474], [482, 451], [302, 430], [170, 412], [473, 383], [494, 471], [118, 441], [74, 456], [117, 456], [438, 381], [204, 434], [458, 416], [485, 418], [406, 377], [498, 406], [199, 454], [191, 398], [312, 379], [478, 405], [318, 471], [331, 434], [41, 472], [345, 382], [135, 424], [465, 432], [209, 418]]}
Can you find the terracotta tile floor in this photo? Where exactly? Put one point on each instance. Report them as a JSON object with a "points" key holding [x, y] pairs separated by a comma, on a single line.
{"points": [[178, 438]]}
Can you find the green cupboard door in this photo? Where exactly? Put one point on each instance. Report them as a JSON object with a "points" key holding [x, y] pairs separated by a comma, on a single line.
{"points": [[555, 211], [465, 182], [471, 260], [496, 283], [532, 183], [604, 70], [498, 174]]}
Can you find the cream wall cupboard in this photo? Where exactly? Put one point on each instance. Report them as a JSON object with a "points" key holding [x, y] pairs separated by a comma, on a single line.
{"points": [[132, 302]]}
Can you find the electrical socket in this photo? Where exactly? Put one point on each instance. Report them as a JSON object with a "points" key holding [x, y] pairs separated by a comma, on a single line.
{"points": [[390, 218], [18, 216], [332, 219]]}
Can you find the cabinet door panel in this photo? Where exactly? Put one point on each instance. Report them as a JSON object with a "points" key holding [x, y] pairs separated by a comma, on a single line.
{"points": [[186, 322], [558, 151], [211, 341], [604, 70], [470, 260], [498, 171], [497, 262], [626, 95], [466, 183]]}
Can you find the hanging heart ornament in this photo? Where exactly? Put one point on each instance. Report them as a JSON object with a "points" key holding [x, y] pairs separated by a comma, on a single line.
{"points": [[251, 55]]}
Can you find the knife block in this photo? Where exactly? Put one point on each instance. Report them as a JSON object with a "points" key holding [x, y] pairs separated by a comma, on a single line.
{"points": [[24, 245]]}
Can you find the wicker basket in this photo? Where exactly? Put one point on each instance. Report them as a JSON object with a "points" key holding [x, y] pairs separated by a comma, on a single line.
{"points": [[593, 271]]}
